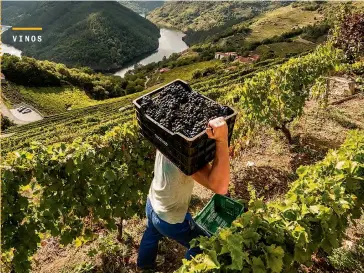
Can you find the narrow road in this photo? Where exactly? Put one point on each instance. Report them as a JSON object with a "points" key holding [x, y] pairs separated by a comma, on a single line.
{"points": [[5, 111], [6, 135], [146, 82], [300, 39]]}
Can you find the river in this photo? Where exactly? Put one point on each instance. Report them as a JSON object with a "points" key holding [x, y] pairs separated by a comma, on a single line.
{"points": [[170, 42], [11, 50]]}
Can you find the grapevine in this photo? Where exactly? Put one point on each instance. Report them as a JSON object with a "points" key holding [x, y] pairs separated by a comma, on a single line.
{"points": [[281, 235], [275, 97], [93, 178]]}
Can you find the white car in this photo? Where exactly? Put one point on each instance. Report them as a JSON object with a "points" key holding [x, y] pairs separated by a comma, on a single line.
{"points": [[20, 109], [26, 111]]}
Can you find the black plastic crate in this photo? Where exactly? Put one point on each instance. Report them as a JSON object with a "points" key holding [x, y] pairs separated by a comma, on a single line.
{"points": [[187, 164], [188, 154]]}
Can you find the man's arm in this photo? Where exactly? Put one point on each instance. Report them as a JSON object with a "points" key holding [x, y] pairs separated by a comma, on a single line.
{"points": [[217, 176]]}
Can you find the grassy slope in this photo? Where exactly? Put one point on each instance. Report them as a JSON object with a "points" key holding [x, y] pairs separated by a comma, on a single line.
{"points": [[284, 48], [281, 20], [50, 100], [185, 72], [55, 100], [182, 72]]}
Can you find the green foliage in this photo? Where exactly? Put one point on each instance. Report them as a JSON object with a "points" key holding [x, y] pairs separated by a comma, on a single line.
{"points": [[349, 259], [5, 122], [198, 73], [280, 235], [216, 33], [310, 32], [30, 72], [276, 96], [141, 7], [103, 36], [358, 68], [12, 11], [234, 39], [199, 16], [66, 127], [314, 32], [112, 252], [102, 178], [84, 267], [283, 49]]}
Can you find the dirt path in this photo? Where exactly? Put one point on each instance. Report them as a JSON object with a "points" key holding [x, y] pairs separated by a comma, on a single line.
{"points": [[6, 135], [300, 39], [146, 82]]}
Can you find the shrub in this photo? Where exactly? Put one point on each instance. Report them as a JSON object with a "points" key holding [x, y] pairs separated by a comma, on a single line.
{"points": [[197, 74], [349, 258], [5, 122]]}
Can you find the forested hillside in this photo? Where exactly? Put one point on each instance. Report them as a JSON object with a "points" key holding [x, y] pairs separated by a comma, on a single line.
{"points": [[205, 15], [14, 11], [142, 7], [102, 36]]}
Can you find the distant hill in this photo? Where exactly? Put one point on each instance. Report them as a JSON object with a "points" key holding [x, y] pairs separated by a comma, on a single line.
{"points": [[14, 11], [101, 35], [142, 7], [199, 16]]}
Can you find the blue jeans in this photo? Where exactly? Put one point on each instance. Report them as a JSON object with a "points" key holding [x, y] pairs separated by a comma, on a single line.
{"points": [[183, 233]]}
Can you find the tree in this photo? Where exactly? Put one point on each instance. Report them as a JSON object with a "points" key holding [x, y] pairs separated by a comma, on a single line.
{"points": [[5, 122]]}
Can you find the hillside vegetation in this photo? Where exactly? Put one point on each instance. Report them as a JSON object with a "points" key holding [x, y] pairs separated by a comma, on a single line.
{"points": [[142, 7], [276, 25], [205, 15], [281, 20], [14, 11], [82, 122], [30, 72], [103, 36]]}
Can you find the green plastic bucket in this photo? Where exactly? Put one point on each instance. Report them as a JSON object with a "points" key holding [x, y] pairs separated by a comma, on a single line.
{"points": [[220, 212]]}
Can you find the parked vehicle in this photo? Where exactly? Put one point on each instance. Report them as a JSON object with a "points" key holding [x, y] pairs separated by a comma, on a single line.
{"points": [[26, 111], [20, 109]]}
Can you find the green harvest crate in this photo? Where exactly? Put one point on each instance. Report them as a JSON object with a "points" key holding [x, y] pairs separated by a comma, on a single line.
{"points": [[220, 212]]}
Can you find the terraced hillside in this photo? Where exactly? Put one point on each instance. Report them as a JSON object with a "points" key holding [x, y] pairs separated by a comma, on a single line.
{"points": [[280, 21], [100, 118]]}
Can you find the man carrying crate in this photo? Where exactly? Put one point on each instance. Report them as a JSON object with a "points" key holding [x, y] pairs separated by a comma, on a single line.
{"points": [[170, 195]]}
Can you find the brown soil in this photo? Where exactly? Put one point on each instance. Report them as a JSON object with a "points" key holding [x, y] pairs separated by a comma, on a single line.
{"points": [[267, 162]]}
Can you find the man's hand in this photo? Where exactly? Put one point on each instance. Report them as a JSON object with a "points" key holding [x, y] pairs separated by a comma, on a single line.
{"points": [[218, 130], [217, 176]]}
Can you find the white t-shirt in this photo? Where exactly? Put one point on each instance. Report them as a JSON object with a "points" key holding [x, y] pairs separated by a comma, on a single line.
{"points": [[171, 190]]}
